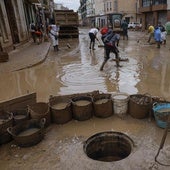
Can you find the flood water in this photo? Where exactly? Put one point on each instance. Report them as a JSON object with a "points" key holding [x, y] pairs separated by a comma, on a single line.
{"points": [[76, 70]]}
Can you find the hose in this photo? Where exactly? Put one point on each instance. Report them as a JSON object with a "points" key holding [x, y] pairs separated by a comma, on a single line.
{"points": [[163, 141]]}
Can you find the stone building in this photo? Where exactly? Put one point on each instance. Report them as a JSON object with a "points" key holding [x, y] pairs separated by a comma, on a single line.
{"points": [[154, 11], [15, 18], [99, 8]]}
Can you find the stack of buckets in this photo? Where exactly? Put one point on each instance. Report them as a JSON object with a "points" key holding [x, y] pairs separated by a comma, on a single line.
{"points": [[120, 104]]}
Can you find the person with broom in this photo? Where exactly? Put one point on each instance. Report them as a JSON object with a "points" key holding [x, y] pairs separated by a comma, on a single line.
{"points": [[111, 42], [93, 35]]}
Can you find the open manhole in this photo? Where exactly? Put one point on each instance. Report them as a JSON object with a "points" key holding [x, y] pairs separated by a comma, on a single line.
{"points": [[108, 146]]}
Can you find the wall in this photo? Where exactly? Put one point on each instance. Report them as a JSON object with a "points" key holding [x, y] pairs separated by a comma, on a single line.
{"points": [[5, 33]]}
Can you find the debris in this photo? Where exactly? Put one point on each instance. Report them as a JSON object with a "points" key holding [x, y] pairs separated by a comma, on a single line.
{"points": [[68, 45]]}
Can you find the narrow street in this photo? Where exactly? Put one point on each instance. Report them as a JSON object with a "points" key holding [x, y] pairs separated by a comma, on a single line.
{"points": [[77, 70]]}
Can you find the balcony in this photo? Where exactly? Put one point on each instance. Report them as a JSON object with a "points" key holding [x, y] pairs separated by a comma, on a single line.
{"points": [[145, 9], [159, 7]]}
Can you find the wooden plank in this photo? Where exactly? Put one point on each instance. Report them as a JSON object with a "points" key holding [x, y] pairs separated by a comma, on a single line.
{"points": [[3, 57], [18, 103]]}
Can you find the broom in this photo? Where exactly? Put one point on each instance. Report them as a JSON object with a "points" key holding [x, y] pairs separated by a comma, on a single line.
{"points": [[99, 44]]}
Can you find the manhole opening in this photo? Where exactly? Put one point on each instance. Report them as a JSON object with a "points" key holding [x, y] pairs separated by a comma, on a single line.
{"points": [[108, 146]]}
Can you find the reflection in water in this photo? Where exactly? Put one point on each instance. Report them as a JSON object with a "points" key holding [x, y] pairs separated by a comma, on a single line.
{"points": [[81, 78], [126, 77], [93, 58], [77, 70]]}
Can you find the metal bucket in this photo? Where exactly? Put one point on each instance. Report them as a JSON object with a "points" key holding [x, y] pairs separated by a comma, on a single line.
{"points": [[82, 111], [140, 106], [161, 113], [103, 106], [61, 111]]}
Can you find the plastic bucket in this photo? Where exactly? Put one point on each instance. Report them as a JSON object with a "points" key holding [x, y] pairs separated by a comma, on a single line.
{"points": [[82, 111], [40, 110], [140, 106], [120, 103], [61, 111], [161, 113], [103, 106]]}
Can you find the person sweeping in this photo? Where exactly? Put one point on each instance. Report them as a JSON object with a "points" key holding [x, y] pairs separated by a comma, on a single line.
{"points": [[92, 34], [111, 42]]}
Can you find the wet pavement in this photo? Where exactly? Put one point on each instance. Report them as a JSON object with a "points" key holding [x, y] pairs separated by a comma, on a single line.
{"points": [[76, 70]]}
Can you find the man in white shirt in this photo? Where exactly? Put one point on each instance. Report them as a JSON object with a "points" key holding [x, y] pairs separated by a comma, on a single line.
{"points": [[92, 34], [54, 34]]}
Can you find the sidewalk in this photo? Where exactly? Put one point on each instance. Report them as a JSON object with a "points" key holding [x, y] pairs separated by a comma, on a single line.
{"points": [[26, 56]]}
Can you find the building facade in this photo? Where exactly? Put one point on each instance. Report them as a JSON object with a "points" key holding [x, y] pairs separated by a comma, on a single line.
{"points": [[96, 10], [154, 11], [15, 18]]}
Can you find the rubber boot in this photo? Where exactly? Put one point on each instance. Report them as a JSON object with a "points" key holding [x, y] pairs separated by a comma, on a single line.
{"points": [[101, 68], [57, 48], [93, 46], [90, 46], [118, 61]]}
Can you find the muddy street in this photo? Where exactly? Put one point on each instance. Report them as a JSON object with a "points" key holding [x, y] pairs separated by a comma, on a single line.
{"points": [[77, 70]]}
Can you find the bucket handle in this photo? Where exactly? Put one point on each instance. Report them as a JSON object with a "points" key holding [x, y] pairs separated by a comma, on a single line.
{"points": [[42, 122], [154, 104], [9, 130]]}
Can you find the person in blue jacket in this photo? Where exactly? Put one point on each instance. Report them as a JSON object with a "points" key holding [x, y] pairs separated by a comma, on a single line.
{"points": [[157, 36]]}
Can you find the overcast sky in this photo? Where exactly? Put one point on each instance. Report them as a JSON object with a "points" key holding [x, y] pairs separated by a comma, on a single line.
{"points": [[71, 4]]}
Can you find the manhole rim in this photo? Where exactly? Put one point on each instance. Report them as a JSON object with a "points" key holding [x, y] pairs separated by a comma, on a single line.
{"points": [[102, 134]]}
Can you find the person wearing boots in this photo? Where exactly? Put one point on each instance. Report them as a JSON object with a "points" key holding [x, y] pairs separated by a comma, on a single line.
{"points": [[92, 34], [111, 42], [54, 34]]}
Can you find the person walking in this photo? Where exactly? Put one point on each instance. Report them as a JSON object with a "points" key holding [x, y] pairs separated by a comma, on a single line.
{"points": [[93, 35], [32, 30], [124, 26], [39, 35], [151, 32], [163, 36], [111, 42], [157, 36], [54, 34]]}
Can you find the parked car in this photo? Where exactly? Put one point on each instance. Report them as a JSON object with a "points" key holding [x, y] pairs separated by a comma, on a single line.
{"points": [[134, 25]]}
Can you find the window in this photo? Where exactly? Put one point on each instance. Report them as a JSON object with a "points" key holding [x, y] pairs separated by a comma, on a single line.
{"points": [[110, 6], [146, 3], [157, 2]]}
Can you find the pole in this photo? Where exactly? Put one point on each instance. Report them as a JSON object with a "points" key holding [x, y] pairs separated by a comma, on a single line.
{"points": [[44, 23], [136, 9]]}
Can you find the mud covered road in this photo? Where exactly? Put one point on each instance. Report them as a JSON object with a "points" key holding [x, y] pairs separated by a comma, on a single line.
{"points": [[74, 70]]}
